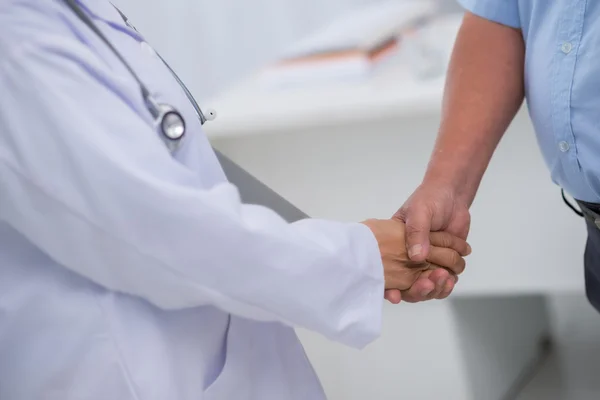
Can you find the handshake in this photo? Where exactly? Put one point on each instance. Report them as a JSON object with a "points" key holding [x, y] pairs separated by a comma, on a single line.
{"points": [[413, 281]]}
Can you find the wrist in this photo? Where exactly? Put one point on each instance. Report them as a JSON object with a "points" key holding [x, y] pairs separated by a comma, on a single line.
{"points": [[457, 183]]}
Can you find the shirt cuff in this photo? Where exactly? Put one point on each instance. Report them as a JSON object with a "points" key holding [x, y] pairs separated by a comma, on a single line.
{"points": [[368, 311], [505, 12]]}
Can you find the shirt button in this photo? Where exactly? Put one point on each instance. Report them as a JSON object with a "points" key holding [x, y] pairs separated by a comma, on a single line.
{"points": [[564, 146], [566, 47]]}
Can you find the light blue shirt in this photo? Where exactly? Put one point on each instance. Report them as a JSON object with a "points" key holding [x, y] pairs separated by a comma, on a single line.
{"points": [[562, 83]]}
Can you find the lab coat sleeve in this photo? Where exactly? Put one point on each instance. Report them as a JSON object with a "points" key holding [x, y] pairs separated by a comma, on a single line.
{"points": [[85, 177], [505, 12]]}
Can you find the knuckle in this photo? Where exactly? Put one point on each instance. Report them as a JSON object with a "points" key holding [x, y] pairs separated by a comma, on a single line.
{"points": [[441, 239], [412, 233], [415, 230], [402, 213], [447, 258], [445, 239]]}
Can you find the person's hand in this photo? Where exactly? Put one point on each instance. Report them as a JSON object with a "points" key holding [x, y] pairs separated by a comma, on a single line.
{"points": [[432, 207], [399, 271]]}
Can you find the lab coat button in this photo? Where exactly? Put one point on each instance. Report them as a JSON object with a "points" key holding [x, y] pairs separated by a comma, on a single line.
{"points": [[564, 146]]}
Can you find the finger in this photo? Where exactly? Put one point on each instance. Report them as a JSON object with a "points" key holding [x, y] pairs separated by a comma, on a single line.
{"points": [[432, 284], [419, 291], [445, 239], [418, 225], [439, 276], [450, 283], [447, 258], [393, 296]]}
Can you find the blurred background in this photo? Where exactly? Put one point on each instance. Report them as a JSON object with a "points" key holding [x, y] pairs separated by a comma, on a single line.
{"points": [[335, 104], [214, 44]]}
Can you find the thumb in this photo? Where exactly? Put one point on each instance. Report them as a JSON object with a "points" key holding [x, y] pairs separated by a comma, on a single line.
{"points": [[418, 225]]}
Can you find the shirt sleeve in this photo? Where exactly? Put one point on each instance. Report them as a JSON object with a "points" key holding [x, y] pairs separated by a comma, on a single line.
{"points": [[85, 177], [505, 12]]}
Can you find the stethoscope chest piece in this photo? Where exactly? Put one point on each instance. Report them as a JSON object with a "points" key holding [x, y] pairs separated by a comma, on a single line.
{"points": [[169, 123]]}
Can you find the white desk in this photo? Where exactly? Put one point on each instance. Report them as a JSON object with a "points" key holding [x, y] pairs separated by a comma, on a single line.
{"points": [[357, 151]]}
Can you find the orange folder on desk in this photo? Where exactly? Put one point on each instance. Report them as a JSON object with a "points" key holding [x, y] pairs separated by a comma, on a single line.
{"points": [[350, 47]]}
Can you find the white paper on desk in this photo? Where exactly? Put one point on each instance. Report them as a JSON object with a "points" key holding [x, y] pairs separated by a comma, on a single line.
{"points": [[363, 27], [345, 48]]}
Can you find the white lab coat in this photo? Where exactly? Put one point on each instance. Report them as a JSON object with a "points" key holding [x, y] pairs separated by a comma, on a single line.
{"points": [[129, 274]]}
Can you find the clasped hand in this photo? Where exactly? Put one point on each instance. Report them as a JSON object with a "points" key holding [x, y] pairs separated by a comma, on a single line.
{"points": [[446, 254]]}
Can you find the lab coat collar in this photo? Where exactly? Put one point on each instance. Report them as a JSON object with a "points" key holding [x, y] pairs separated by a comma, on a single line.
{"points": [[106, 12]]}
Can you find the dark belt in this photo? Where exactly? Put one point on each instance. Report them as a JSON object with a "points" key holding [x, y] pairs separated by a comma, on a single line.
{"points": [[590, 211]]}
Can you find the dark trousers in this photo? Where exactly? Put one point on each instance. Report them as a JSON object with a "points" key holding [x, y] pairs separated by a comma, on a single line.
{"points": [[592, 253]]}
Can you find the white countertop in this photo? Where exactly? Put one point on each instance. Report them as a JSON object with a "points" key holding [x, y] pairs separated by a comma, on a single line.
{"points": [[251, 109]]}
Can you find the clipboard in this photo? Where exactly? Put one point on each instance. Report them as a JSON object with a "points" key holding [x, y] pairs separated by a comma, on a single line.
{"points": [[253, 191]]}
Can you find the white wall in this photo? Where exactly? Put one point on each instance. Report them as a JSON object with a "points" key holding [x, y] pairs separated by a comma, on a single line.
{"points": [[213, 44]]}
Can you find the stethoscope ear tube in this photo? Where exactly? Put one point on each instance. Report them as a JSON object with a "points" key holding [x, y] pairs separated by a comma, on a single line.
{"points": [[152, 106], [211, 115], [168, 120]]}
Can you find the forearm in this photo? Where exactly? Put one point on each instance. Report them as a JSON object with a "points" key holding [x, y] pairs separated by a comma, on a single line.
{"points": [[484, 91]]}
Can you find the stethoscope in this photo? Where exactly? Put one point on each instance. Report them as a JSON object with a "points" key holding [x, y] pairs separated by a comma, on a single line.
{"points": [[167, 119]]}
